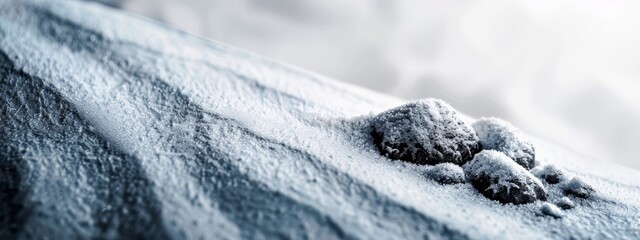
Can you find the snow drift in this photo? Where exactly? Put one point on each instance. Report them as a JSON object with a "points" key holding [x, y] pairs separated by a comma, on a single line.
{"points": [[115, 127]]}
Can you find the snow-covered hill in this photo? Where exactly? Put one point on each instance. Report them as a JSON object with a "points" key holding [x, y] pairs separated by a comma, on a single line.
{"points": [[115, 127]]}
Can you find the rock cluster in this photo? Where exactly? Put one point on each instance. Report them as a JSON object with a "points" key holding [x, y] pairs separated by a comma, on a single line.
{"points": [[496, 158]]}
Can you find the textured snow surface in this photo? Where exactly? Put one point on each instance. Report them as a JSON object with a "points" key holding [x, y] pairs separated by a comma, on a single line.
{"points": [[551, 210], [115, 127], [427, 131], [497, 134]]}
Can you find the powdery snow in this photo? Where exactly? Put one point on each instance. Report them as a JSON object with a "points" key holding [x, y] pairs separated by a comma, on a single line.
{"points": [[551, 210], [446, 173]]}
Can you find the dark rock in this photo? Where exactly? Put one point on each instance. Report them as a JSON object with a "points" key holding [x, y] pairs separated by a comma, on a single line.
{"points": [[497, 134], [427, 131], [578, 188], [499, 178], [446, 173], [565, 203], [549, 173]]}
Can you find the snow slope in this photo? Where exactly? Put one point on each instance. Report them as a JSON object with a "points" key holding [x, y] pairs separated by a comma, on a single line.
{"points": [[115, 127]]}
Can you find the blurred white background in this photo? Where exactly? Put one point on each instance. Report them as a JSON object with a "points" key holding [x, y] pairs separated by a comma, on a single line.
{"points": [[564, 70]]}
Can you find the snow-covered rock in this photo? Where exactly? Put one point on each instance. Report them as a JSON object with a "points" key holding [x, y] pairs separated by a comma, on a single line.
{"points": [[565, 203], [577, 187], [549, 173], [446, 173], [427, 131], [497, 134], [498, 177], [551, 210]]}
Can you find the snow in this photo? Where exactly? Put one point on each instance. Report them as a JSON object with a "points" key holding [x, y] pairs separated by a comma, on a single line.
{"points": [[565, 203], [446, 173], [121, 128], [556, 69], [498, 177], [426, 131], [497, 134], [551, 210]]}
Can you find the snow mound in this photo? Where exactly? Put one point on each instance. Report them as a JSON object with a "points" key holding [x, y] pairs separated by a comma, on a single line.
{"points": [[427, 131], [497, 134], [499, 178], [549, 173], [565, 203], [551, 210], [446, 173], [577, 187]]}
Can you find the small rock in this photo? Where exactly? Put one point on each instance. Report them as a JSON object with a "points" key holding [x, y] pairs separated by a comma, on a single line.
{"points": [[498, 177], [497, 134], [446, 173], [551, 210], [565, 203], [427, 131], [578, 188], [549, 173]]}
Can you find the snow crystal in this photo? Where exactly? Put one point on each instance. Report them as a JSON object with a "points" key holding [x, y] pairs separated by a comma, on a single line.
{"points": [[578, 188], [446, 173], [565, 203], [427, 131], [498, 177], [551, 210], [497, 134], [549, 173]]}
